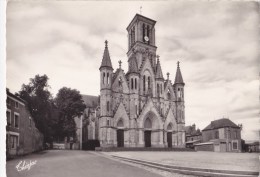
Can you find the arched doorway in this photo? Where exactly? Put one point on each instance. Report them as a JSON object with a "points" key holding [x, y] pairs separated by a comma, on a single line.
{"points": [[147, 132], [169, 135], [120, 133]]}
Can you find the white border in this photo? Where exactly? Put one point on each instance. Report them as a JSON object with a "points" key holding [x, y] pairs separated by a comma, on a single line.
{"points": [[3, 4]]}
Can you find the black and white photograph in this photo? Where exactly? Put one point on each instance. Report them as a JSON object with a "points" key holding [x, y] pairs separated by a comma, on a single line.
{"points": [[131, 88]]}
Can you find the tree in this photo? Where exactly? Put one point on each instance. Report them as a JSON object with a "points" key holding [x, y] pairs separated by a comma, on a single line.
{"points": [[39, 102], [70, 105]]}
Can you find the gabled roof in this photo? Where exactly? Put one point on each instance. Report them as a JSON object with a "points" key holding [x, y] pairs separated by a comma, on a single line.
{"points": [[178, 76], [106, 61], [133, 65], [220, 123], [158, 74], [90, 101]]}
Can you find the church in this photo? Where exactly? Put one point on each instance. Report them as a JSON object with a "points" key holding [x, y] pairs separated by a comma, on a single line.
{"points": [[140, 108]]}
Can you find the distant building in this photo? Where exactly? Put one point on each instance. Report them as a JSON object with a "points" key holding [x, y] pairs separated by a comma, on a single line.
{"points": [[22, 137], [192, 136], [87, 124], [252, 146], [221, 135]]}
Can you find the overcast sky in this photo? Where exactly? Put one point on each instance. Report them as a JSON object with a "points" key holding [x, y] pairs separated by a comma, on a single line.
{"points": [[216, 43]]}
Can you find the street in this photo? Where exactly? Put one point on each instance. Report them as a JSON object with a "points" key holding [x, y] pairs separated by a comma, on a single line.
{"points": [[57, 163]]}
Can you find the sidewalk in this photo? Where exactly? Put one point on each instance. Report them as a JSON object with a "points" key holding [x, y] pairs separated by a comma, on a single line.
{"points": [[205, 160]]}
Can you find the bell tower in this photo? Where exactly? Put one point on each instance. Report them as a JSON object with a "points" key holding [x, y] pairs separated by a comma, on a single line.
{"points": [[141, 38]]}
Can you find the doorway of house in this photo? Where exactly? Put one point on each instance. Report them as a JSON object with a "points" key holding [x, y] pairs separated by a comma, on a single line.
{"points": [[147, 138], [169, 139], [120, 138]]}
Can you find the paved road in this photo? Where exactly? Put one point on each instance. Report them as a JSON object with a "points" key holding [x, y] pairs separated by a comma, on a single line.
{"points": [[63, 163]]}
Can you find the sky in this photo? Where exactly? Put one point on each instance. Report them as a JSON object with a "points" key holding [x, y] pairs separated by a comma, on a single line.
{"points": [[217, 44]]}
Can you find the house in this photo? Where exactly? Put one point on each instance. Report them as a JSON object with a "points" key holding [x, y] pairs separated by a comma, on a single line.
{"points": [[221, 135], [192, 136], [22, 137]]}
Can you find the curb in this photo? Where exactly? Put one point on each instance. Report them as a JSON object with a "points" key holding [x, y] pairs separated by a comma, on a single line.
{"points": [[191, 171]]}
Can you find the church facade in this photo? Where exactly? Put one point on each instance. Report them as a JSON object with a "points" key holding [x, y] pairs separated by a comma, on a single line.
{"points": [[140, 108]]}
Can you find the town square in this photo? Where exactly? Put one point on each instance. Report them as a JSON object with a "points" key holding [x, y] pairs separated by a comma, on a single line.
{"points": [[132, 88]]}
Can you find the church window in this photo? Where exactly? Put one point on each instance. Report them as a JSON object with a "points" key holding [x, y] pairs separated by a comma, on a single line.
{"points": [[149, 82], [133, 34], [108, 106], [132, 83], [104, 76], [158, 90], [182, 93], [135, 83], [148, 32], [161, 88], [179, 93], [143, 32], [108, 78], [168, 94], [107, 122], [144, 83], [120, 82]]}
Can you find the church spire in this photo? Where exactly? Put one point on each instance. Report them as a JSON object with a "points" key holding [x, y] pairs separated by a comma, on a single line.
{"points": [[158, 74], [106, 61], [178, 76]]}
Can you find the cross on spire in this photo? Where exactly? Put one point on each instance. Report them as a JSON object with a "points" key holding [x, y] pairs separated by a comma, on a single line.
{"points": [[120, 62], [158, 57], [106, 43], [178, 64], [141, 10]]}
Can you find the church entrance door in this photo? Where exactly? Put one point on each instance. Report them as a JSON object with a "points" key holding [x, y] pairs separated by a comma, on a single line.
{"points": [[120, 138], [169, 139], [147, 138]]}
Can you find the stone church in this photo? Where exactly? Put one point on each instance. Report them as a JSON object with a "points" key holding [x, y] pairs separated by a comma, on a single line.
{"points": [[140, 108]]}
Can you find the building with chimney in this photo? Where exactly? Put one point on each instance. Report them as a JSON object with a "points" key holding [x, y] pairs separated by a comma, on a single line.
{"points": [[139, 107], [221, 135]]}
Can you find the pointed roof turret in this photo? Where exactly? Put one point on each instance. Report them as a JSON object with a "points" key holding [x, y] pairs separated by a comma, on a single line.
{"points": [[178, 76], [106, 61], [158, 74]]}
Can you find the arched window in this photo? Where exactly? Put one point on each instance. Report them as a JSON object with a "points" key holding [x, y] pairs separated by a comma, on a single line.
{"points": [[168, 94], [104, 77], [148, 123], [120, 123], [107, 78], [158, 90], [107, 105], [169, 127], [148, 32], [132, 83], [144, 83], [149, 82], [143, 32], [179, 92], [120, 82], [135, 83], [161, 88], [134, 34]]}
